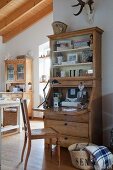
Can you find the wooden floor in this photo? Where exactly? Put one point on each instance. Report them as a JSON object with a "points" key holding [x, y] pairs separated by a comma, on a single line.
{"points": [[39, 158]]}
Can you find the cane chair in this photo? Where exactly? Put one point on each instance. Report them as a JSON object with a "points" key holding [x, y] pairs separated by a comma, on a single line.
{"points": [[36, 134]]}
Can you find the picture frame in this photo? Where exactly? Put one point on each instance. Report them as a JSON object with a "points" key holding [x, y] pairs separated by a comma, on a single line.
{"points": [[72, 57], [63, 44], [72, 93]]}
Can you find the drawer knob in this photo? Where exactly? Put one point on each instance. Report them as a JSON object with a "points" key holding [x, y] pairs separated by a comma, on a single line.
{"points": [[65, 138], [65, 124]]}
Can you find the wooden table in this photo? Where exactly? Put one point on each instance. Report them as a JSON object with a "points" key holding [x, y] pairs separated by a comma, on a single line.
{"points": [[11, 103]]}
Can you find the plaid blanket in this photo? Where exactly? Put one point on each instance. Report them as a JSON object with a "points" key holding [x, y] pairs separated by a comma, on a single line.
{"points": [[103, 158]]}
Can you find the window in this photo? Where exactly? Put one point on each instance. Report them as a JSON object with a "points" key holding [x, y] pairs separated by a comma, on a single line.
{"points": [[44, 68]]}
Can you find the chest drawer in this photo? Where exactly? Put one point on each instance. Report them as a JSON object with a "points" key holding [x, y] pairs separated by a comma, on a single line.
{"points": [[68, 128], [6, 95], [16, 95], [66, 117], [66, 141], [66, 82]]}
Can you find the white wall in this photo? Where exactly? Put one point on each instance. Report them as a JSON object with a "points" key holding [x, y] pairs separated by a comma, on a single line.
{"points": [[103, 14], [28, 42]]}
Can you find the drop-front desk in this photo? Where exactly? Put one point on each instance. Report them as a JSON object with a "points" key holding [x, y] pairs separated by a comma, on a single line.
{"points": [[73, 124]]}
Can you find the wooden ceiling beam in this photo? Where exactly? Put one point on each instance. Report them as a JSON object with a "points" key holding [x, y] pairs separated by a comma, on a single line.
{"points": [[4, 3], [18, 13], [28, 23]]}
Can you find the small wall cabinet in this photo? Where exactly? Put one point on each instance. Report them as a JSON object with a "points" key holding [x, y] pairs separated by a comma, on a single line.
{"points": [[18, 70], [15, 71], [76, 63]]}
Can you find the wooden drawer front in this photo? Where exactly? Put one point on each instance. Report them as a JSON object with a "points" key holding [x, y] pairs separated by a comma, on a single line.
{"points": [[27, 95], [71, 82], [66, 141], [78, 118], [68, 128], [6, 95], [66, 117], [15, 96], [88, 83]]}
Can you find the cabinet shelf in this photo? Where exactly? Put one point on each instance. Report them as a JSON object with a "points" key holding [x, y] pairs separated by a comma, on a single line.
{"points": [[10, 127], [74, 78], [10, 73], [75, 49], [68, 64]]}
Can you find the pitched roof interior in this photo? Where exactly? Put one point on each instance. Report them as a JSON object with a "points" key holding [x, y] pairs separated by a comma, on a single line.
{"points": [[16, 16]]}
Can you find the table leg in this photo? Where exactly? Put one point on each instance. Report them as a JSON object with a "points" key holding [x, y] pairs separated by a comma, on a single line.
{"points": [[19, 121], [1, 116]]}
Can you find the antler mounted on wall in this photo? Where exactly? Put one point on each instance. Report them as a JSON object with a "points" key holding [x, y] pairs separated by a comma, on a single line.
{"points": [[88, 5], [82, 5]]}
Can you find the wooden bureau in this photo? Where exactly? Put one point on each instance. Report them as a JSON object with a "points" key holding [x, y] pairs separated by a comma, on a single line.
{"points": [[75, 81]]}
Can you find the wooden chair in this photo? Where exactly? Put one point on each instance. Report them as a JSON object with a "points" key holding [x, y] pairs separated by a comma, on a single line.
{"points": [[36, 134]]}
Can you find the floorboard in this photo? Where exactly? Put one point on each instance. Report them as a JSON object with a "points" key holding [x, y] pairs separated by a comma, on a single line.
{"points": [[39, 157]]}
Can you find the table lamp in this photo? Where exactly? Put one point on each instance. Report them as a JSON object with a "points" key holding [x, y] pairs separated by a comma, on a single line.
{"points": [[44, 103]]}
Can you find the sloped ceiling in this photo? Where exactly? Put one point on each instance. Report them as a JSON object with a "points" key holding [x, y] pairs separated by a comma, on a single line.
{"points": [[17, 15]]}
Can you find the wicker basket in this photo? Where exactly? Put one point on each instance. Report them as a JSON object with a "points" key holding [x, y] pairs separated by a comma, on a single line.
{"points": [[80, 158], [59, 27], [9, 117]]}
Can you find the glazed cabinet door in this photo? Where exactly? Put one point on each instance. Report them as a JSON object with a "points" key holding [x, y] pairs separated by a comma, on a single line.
{"points": [[15, 71], [10, 72], [20, 71]]}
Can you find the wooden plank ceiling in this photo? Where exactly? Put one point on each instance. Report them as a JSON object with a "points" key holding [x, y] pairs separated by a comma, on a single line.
{"points": [[17, 15]]}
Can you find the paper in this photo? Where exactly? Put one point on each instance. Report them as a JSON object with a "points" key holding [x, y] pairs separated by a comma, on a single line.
{"points": [[69, 109]]}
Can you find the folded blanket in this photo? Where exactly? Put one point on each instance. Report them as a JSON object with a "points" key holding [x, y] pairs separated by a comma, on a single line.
{"points": [[103, 158]]}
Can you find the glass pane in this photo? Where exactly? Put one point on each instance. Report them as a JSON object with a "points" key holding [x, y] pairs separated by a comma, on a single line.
{"points": [[44, 70], [10, 72], [20, 72]]}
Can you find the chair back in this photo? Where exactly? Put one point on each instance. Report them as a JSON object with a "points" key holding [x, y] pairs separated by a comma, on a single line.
{"points": [[25, 117]]}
